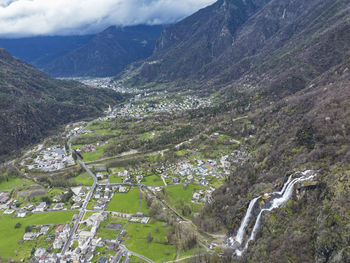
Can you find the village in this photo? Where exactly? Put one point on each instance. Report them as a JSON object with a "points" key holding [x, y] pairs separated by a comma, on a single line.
{"points": [[107, 83], [101, 215], [141, 107], [50, 159]]}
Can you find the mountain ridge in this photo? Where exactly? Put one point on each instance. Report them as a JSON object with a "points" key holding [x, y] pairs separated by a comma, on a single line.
{"points": [[102, 55]]}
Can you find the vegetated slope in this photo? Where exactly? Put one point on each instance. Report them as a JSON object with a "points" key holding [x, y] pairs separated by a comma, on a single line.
{"points": [[288, 68], [32, 104], [42, 50], [232, 38], [306, 130], [108, 53]]}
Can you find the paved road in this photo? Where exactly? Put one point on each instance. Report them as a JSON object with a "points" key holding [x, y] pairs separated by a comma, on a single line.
{"points": [[140, 256], [83, 208]]}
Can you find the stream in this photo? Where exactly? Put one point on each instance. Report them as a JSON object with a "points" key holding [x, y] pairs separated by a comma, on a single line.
{"points": [[271, 201]]}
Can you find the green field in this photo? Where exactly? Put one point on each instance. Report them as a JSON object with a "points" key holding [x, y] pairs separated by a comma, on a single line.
{"points": [[115, 179], [12, 183], [147, 135], [158, 250], [84, 179], [115, 170], [181, 153], [178, 195], [93, 156], [153, 180], [9, 236], [177, 192], [106, 233], [125, 202]]}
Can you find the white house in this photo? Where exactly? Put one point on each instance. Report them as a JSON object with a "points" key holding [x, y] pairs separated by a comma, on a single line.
{"points": [[29, 236], [21, 213], [40, 207]]}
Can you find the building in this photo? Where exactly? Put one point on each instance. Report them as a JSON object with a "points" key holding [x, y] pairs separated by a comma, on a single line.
{"points": [[44, 230], [29, 236], [102, 260], [100, 168], [58, 243], [40, 252], [76, 205], [28, 207], [58, 198], [9, 211], [21, 213], [40, 207], [58, 206]]}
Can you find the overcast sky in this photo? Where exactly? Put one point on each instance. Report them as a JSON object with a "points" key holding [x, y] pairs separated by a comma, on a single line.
{"points": [[61, 17]]}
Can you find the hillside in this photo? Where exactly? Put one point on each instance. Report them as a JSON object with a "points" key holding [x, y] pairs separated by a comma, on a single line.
{"points": [[284, 64], [234, 38], [108, 53], [33, 105]]}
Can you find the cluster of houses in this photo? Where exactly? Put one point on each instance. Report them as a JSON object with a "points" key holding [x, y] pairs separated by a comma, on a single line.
{"points": [[107, 83], [140, 218], [203, 196], [79, 195], [88, 148], [138, 110], [33, 235], [201, 172], [125, 175], [103, 195], [51, 159], [83, 243], [70, 131], [11, 208], [62, 234], [42, 256]]}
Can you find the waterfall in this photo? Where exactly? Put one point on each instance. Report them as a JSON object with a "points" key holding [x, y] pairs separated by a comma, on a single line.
{"points": [[241, 231], [279, 199]]}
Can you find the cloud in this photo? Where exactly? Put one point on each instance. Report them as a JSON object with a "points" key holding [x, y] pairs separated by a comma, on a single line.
{"points": [[64, 17]]}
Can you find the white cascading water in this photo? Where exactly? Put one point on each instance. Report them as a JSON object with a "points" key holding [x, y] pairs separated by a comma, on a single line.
{"points": [[241, 231], [281, 198]]}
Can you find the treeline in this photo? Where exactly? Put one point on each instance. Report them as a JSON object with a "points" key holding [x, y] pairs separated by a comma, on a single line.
{"points": [[63, 179], [159, 142], [8, 172]]}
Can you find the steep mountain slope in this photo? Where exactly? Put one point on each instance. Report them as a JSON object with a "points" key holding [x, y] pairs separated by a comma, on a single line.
{"points": [[231, 38], [108, 53], [306, 130], [32, 104], [285, 64]]}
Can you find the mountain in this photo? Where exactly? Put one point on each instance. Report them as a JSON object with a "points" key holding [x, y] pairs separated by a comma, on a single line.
{"points": [[100, 55], [286, 66], [32, 104], [108, 53], [42, 50], [231, 38]]}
